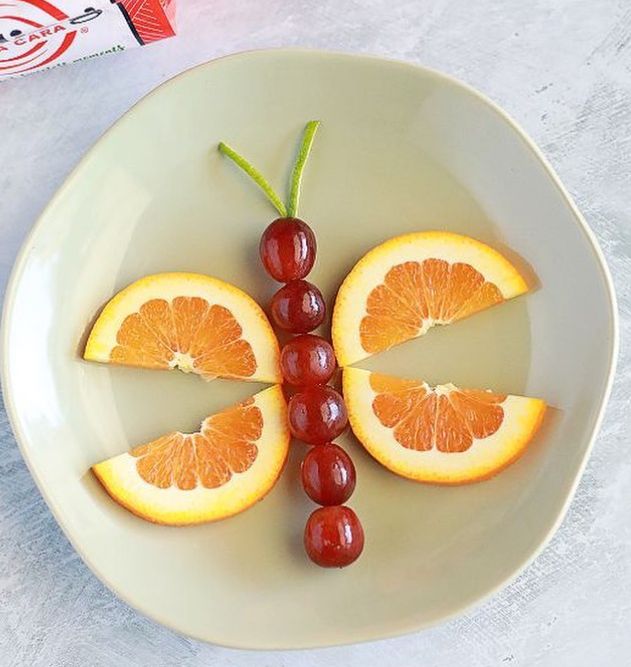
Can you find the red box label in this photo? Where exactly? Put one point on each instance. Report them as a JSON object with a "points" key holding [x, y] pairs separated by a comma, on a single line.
{"points": [[40, 34]]}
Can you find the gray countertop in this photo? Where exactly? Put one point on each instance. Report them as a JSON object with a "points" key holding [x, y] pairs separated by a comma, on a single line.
{"points": [[562, 68]]}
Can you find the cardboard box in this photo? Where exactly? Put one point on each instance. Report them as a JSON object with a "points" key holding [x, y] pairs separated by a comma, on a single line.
{"points": [[37, 35]]}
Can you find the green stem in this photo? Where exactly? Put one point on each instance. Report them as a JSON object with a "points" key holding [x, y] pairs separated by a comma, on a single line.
{"points": [[255, 175], [299, 167]]}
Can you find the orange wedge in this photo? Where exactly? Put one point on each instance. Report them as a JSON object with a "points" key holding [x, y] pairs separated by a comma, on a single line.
{"points": [[229, 464], [187, 321], [405, 286], [443, 434]]}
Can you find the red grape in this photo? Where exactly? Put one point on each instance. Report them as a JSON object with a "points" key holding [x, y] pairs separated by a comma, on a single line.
{"points": [[328, 475], [288, 249], [307, 359], [298, 307], [334, 536], [317, 415]]}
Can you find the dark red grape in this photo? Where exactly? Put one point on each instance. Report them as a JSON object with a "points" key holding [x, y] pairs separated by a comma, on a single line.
{"points": [[288, 249], [328, 475], [317, 415], [307, 360], [334, 536], [298, 307]]}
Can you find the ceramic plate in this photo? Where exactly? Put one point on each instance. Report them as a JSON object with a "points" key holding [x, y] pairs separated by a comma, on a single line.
{"points": [[401, 148]]}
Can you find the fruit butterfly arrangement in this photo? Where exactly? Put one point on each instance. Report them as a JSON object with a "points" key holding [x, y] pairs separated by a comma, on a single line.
{"points": [[396, 292]]}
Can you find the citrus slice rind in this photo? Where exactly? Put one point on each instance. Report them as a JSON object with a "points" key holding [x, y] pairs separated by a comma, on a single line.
{"points": [[408, 284], [183, 479], [188, 321], [428, 451]]}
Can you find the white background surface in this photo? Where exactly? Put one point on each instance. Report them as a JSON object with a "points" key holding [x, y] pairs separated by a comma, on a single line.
{"points": [[562, 68]]}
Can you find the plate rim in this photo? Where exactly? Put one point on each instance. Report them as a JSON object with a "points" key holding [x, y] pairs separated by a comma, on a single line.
{"points": [[405, 627]]}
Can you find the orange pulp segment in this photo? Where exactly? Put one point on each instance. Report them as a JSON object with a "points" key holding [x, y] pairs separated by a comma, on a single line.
{"points": [[405, 286], [187, 321], [442, 434], [185, 478]]}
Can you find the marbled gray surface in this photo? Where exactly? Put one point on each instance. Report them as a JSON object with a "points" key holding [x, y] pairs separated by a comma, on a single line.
{"points": [[562, 68]]}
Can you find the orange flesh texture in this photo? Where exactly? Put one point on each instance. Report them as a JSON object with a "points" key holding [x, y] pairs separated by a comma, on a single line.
{"points": [[224, 445], [414, 292], [210, 335], [423, 419]]}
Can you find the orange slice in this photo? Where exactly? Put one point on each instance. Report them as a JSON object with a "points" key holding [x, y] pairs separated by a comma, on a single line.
{"points": [[229, 464], [405, 286], [442, 435], [188, 321]]}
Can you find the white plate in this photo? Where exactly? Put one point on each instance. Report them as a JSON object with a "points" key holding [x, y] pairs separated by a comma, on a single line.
{"points": [[401, 148]]}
